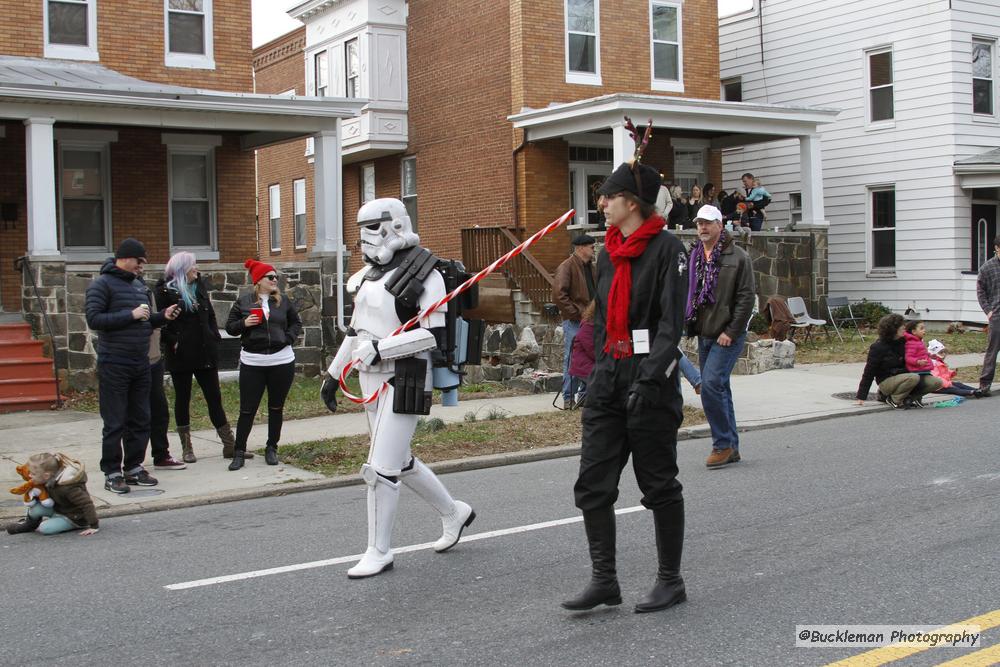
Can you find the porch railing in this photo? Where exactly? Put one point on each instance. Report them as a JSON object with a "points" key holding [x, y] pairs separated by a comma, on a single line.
{"points": [[482, 245]]}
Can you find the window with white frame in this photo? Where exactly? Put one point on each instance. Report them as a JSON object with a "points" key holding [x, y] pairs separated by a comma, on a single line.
{"points": [[582, 42], [732, 89], [689, 168], [880, 95], [192, 197], [71, 29], [666, 52], [794, 207], [84, 194], [321, 73], [409, 182], [368, 183], [189, 40], [274, 215], [352, 68], [299, 211], [982, 77], [882, 205]]}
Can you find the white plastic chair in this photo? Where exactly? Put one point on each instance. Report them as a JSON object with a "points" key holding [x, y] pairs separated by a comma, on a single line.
{"points": [[835, 302], [803, 320]]}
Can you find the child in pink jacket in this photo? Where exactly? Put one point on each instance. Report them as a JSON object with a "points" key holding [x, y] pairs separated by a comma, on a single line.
{"points": [[940, 369], [918, 359]]}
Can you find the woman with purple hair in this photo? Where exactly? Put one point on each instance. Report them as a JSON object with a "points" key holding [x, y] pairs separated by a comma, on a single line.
{"points": [[190, 347]]}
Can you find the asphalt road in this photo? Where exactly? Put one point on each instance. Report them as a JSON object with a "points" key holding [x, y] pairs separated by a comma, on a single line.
{"points": [[886, 518]]}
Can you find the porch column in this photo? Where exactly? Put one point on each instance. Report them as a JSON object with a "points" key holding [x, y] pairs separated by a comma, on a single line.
{"points": [[622, 145], [43, 237], [329, 191], [811, 164]]}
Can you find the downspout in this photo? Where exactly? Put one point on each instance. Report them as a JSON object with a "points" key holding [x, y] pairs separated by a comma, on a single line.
{"points": [[513, 169]]}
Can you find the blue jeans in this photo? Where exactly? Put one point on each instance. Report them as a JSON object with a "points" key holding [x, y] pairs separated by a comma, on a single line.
{"points": [[717, 363], [570, 384], [688, 370], [52, 523]]}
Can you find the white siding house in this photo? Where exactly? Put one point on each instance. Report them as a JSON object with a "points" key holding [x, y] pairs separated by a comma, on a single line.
{"points": [[910, 187]]}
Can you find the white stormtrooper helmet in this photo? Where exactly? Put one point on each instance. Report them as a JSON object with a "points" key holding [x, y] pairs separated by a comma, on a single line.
{"points": [[385, 229]]}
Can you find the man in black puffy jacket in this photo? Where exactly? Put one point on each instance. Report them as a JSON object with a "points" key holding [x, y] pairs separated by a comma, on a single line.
{"points": [[119, 309]]}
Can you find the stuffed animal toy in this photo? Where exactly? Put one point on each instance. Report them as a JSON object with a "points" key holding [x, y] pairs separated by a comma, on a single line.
{"points": [[32, 492]]}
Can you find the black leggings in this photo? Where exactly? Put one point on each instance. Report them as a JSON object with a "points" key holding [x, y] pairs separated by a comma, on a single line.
{"points": [[208, 380], [253, 381]]}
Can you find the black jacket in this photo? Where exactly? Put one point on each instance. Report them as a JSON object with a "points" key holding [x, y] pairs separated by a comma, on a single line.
{"points": [[280, 329], [659, 287], [678, 215], [191, 341], [884, 361], [111, 298], [734, 296]]}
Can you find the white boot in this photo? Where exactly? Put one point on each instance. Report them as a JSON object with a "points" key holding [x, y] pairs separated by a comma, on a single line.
{"points": [[455, 515], [383, 497]]}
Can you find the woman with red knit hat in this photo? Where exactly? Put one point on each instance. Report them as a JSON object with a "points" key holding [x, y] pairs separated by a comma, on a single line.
{"points": [[268, 326]]}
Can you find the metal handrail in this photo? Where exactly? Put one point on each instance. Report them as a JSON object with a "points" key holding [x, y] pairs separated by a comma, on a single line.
{"points": [[23, 264]]}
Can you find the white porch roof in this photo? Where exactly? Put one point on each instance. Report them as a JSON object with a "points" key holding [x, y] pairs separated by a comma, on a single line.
{"points": [[979, 171], [728, 124], [90, 93]]}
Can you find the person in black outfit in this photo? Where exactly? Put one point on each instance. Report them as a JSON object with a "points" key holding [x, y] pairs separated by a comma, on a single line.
{"points": [[633, 402], [268, 325], [886, 365], [118, 308], [191, 350]]}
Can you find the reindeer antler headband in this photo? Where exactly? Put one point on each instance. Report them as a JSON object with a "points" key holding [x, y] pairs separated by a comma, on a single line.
{"points": [[641, 144]]}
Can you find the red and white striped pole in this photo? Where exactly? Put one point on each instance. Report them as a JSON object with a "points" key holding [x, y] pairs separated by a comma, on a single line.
{"points": [[448, 297]]}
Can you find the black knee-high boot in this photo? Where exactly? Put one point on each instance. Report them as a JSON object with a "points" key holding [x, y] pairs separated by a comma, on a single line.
{"points": [[669, 587], [603, 587]]}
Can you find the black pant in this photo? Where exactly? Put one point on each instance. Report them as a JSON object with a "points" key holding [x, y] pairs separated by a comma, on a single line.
{"points": [[123, 392], [253, 381], [208, 380], [159, 414], [610, 435]]}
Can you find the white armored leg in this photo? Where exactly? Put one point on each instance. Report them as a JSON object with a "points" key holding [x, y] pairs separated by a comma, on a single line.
{"points": [[455, 515], [383, 497]]}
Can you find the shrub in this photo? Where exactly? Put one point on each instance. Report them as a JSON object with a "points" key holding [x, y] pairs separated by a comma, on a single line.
{"points": [[870, 311], [758, 324]]}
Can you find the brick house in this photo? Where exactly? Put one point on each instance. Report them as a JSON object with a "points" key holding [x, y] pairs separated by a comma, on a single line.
{"points": [[137, 119], [490, 119]]}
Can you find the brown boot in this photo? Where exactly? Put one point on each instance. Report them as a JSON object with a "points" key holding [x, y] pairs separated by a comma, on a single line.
{"points": [[187, 449], [722, 457], [225, 433]]}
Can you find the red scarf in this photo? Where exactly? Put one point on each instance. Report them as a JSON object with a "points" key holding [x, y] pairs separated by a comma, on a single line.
{"points": [[622, 250]]}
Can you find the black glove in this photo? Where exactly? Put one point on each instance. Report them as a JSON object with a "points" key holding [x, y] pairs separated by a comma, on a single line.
{"points": [[329, 393], [635, 403]]}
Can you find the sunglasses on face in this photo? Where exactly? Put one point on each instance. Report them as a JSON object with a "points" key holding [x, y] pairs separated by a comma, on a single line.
{"points": [[270, 276]]}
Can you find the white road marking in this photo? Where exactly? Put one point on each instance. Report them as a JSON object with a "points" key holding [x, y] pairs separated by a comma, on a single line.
{"points": [[225, 579]]}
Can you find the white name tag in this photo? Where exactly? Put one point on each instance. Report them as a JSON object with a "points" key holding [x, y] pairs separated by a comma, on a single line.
{"points": [[640, 341]]}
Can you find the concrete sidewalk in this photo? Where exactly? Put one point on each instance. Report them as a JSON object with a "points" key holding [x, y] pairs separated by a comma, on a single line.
{"points": [[778, 397]]}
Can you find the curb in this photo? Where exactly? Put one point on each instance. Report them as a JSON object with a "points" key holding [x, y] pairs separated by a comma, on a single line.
{"points": [[444, 467]]}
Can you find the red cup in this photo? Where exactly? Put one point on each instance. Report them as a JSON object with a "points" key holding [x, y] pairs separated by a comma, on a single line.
{"points": [[259, 312]]}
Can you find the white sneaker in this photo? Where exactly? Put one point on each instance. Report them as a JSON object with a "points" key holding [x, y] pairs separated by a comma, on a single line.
{"points": [[453, 525], [372, 563]]}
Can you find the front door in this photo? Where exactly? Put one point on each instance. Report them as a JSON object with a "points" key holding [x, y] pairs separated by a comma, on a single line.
{"points": [[984, 230]]}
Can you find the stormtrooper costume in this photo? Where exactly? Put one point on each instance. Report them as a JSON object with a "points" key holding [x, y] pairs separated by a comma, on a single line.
{"points": [[388, 241]]}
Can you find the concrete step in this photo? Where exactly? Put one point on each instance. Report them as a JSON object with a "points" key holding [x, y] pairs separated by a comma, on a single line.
{"points": [[22, 403], [20, 349], [34, 387], [19, 369], [15, 332]]}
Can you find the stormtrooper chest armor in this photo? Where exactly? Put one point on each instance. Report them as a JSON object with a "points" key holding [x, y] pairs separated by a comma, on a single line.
{"points": [[375, 309]]}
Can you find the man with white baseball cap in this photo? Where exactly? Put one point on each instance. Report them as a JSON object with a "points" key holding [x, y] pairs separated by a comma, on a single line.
{"points": [[720, 303]]}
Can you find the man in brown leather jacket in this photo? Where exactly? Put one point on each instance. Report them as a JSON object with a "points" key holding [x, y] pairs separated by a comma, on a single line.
{"points": [[720, 303], [572, 291]]}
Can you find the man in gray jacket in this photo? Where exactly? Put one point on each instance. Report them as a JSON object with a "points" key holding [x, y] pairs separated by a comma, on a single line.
{"points": [[720, 302], [988, 291]]}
